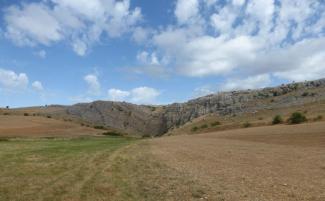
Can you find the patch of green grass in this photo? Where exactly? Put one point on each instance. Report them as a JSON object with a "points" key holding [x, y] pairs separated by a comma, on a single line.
{"points": [[58, 169]]}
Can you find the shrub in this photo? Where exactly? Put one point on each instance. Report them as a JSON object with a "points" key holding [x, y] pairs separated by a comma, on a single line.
{"points": [[247, 124], [99, 127], [26, 114], [146, 136], [318, 118], [216, 123], [49, 116], [3, 139], [297, 118], [112, 133], [204, 126], [195, 128], [6, 113], [260, 118], [277, 120], [305, 94]]}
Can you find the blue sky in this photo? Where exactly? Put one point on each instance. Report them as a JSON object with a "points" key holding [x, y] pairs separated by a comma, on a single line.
{"points": [[154, 52]]}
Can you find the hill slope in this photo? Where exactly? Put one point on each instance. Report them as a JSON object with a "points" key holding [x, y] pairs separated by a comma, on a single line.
{"points": [[158, 120]]}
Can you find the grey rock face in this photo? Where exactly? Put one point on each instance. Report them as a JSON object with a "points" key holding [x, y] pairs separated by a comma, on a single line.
{"points": [[155, 121]]}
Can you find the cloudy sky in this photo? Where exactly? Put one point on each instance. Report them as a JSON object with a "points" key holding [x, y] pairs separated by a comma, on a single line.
{"points": [[154, 52]]}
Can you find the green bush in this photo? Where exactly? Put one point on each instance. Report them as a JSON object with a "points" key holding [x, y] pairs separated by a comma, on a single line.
{"points": [[112, 133], [204, 126], [297, 118], [277, 120], [305, 94], [146, 136], [49, 116], [99, 127], [247, 124], [216, 123], [3, 139], [26, 114], [195, 128]]}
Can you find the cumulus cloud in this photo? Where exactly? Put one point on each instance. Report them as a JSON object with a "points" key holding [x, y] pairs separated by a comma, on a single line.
{"points": [[187, 10], [252, 82], [140, 95], [94, 87], [37, 86], [118, 95], [10, 80], [249, 38], [140, 35], [203, 91], [81, 23]]}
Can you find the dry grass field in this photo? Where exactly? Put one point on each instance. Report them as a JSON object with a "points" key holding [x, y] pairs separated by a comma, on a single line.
{"points": [[265, 163], [30, 126], [282, 163]]}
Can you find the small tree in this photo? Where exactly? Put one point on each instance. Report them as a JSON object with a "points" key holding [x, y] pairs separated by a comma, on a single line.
{"points": [[277, 120], [297, 118]]}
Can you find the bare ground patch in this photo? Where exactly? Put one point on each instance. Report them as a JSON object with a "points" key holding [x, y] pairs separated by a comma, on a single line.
{"points": [[266, 163]]}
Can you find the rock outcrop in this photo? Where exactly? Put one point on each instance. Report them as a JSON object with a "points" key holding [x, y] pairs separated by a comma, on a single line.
{"points": [[157, 120]]}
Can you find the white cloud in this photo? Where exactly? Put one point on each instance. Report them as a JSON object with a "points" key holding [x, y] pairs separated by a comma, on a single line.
{"points": [[203, 91], [118, 95], [141, 35], [186, 10], [93, 84], [26, 25], [140, 95], [81, 23], [251, 38], [144, 95], [253, 82], [238, 2], [9, 80], [147, 58], [37, 86]]}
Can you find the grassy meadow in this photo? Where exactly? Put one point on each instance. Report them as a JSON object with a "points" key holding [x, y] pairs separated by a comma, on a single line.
{"points": [[59, 169]]}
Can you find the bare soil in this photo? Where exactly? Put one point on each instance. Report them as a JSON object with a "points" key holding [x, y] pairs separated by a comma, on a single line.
{"points": [[30, 126], [265, 163]]}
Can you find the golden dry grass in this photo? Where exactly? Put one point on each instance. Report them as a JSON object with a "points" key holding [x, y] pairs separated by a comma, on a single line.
{"points": [[30, 126]]}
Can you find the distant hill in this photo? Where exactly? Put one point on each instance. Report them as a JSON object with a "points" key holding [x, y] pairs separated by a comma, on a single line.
{"points": [[159, 120]]}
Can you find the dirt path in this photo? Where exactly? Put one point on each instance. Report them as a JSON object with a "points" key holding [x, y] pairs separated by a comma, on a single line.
{"points": [[267, 163]]}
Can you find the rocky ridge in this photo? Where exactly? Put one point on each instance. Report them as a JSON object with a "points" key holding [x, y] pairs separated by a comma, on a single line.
{"points": [[157, 120]]}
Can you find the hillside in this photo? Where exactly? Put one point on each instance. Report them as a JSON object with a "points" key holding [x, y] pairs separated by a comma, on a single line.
{"points": [[34, 126], [158, 120]]}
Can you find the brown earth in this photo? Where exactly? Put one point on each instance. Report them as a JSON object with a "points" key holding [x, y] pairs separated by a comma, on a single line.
{"points": [[30, 126], [265, 163]]}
